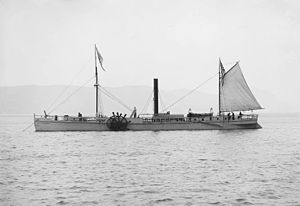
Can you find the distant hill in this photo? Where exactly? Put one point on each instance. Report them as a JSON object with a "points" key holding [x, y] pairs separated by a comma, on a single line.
{"points": [[35, 99]]}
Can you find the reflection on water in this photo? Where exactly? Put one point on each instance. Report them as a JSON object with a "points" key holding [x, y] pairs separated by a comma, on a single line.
{"points": [[241, 167]]}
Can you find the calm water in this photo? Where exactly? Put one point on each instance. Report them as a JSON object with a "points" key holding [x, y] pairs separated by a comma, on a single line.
{"points": [[259, 167]]}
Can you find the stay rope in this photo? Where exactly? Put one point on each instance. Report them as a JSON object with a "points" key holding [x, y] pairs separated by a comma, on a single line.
{"points": [[75, 91], [27, 127], [189, 93], [62, 92], [161, 101], [145, 108], [113, 97], [66, 88]]}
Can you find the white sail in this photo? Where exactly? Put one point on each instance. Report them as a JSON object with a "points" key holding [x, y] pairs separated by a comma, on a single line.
{"points": [[235, 94]]}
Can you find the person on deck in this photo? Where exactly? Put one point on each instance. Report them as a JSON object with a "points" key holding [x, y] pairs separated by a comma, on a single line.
{"points": [[133, 114], [240, 115], [45, 114], [80, 116], [228, 115]]}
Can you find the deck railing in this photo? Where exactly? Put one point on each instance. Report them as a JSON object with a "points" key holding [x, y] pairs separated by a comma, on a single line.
{"points": [[65, 118]]}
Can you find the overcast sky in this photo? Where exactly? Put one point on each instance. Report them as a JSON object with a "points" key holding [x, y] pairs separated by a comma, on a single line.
{"points": [[48, 42]]}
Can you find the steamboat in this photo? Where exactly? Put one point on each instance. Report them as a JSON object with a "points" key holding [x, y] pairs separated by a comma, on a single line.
{"points": [[235, 98]]}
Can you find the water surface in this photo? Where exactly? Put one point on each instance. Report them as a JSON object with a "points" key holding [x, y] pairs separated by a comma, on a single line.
{"points": [[238, 167]]}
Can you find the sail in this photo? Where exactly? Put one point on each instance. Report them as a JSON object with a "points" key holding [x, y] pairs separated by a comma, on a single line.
{"points": [[235, 94]]}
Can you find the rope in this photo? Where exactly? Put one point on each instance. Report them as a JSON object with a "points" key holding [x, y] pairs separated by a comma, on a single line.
{"points": [[101, 107], [161, 101], [113, 97], [66, 88], [88, 81], [171, 105], [145, 108], [60, 94], [27, 127]]}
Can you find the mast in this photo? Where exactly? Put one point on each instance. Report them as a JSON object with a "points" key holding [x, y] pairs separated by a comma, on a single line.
{"points": [[219, 86], [96, 83]]}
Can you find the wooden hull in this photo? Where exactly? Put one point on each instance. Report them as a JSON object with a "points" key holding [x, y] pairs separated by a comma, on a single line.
{"points": [[53, 125]]}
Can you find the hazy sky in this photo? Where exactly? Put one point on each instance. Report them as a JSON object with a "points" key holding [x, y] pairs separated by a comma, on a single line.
{"points": [[49, 42]]}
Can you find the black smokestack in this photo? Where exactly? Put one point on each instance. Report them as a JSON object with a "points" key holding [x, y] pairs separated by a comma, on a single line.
{"points": [[155, 96]]}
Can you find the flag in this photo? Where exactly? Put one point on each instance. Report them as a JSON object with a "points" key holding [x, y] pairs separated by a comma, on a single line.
{"points": [[222, 70], [100, 58]]}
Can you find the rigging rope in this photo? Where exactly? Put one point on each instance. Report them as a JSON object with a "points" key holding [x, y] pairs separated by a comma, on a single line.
{"points": [[66, 88], [145, 108], [161, 101], [101, 107], [113, 97], [27, 127], [193, 90], [72, 94]]}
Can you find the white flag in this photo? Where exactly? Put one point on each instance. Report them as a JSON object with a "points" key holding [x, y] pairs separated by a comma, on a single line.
{"points": [[100, 58]]}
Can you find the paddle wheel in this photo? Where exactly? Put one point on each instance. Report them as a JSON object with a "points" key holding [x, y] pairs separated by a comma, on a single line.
{"points": [[117, 122]]}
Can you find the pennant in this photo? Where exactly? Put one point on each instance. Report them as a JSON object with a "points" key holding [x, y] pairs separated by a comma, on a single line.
{"points": [[222, 70], [100, 58]]}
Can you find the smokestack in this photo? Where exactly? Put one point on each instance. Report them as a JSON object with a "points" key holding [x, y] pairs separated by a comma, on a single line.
{"points": [[155, 85]]}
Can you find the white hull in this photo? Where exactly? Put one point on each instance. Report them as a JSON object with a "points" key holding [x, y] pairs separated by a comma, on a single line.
{"points": [[43, 124]]}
